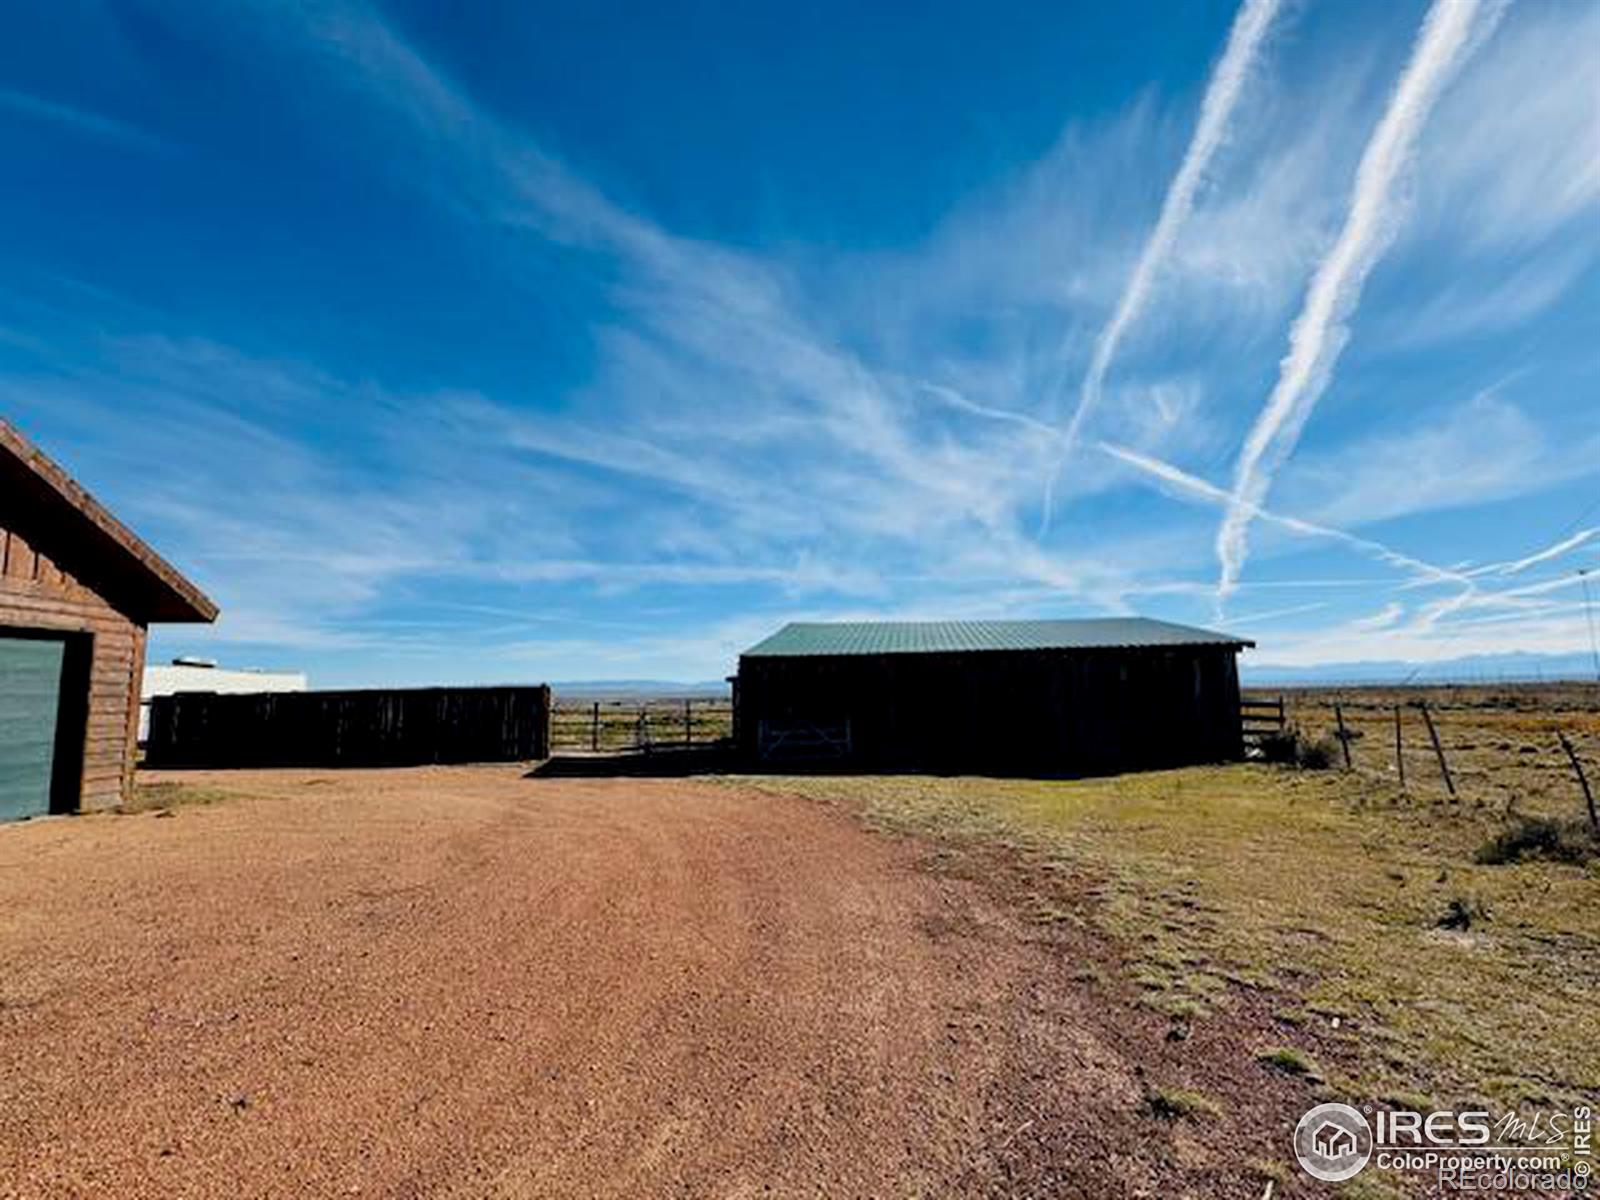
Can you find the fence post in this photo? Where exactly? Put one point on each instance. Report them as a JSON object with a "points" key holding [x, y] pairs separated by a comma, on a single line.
{"points": [[594, 728], [1399, 760], [1344, 734], [1583, 782], [688, 722], [1438, 750], [547, 721]]}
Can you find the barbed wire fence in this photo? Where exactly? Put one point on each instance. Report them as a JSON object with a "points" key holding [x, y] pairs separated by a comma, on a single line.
{"points": [[1530, 749]]}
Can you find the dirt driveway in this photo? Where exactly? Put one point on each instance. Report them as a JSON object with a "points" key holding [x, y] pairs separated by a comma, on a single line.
{"points": [[463, 982]]}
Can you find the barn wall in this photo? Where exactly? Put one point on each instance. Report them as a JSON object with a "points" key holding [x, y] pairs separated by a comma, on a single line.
{"points": [[1007, 712], [37, 593]]}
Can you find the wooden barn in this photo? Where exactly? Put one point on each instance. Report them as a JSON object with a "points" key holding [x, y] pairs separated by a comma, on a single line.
{"points": [[994, 697], [77, 592]]}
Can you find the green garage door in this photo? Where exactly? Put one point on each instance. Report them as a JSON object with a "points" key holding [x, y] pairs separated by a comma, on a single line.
{"points": [[30, 703]]}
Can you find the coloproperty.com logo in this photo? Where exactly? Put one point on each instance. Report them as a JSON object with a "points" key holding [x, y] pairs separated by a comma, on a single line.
{"points": [[1466, 1150], [1333, 1142]]}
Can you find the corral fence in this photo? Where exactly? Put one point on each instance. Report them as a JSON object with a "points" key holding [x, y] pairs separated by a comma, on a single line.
{"points": [[1535, 747], [366, 728], [1261, 719], [637, 726]]}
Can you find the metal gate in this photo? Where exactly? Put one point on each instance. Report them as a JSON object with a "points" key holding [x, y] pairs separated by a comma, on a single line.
{"points": [[639, 726]]}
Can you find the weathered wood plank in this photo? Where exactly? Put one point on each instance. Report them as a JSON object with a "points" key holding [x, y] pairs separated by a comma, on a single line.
{"points": [[377, 727]]}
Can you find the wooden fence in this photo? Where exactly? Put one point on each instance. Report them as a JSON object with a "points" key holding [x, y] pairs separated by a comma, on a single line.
{"points": [[392, 727], [1260, 719], [625, 726]]}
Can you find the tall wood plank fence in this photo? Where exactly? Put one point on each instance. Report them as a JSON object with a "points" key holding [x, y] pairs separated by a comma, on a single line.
{"points": [[366, 728]]}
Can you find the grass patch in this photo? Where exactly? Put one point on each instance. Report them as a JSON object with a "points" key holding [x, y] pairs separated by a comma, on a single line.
{"points": [[1314, 885], [1177, 1104], [166, 796], [1290, 1061]]}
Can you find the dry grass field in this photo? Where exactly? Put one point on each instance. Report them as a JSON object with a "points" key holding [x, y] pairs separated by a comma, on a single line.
{"points": [[1500, 741], [1396, 965], [1395, 944]]}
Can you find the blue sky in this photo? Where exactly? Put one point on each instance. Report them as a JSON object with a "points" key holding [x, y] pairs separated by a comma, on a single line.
{"points": [[505, 342]]}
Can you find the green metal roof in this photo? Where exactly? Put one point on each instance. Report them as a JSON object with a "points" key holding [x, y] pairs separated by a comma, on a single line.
{"points": [[807, 638]]}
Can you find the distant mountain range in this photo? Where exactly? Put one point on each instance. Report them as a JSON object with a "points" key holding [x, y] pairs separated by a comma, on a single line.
{"points": [[1476, 668]]}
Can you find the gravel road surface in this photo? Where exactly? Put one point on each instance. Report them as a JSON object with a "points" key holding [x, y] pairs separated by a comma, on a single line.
{"points": [[463, 982]]}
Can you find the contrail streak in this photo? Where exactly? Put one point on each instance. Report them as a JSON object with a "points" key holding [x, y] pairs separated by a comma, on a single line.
{"points": [[1222, 94], [1202, 489], [1321, 330], [1517, 566]]}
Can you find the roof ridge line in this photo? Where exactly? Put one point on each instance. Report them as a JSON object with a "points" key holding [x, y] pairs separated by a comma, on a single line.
{"points": [[55, 477]]}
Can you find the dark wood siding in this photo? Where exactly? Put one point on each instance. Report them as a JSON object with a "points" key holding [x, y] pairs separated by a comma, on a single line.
{"points": [[376, 727], [37, 593], [1006, 712]]}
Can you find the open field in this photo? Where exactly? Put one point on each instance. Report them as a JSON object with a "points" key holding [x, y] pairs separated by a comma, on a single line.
{"points": [[1500, 741], [1357, 919], [464, 982]]}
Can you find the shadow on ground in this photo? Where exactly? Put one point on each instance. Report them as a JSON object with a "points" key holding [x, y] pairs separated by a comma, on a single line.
{"points": [[661, 764], [676, 762]]}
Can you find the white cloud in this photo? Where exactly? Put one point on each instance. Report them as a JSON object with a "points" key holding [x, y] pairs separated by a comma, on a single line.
{"points": [[1490, 299], [1320, 331], [1385, 618], [1412, 642], [1558, 549], [1513, 154], [83, 121], [1185, 485], [1227, 82], [1485, 450]]}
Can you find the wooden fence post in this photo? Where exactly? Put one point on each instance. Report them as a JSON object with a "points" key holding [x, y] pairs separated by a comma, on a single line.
{"points": [[1344, 734], [1583, 782], [1399, 758], [594, 728], [688, 723], [547, 721], [1438, 750]]}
